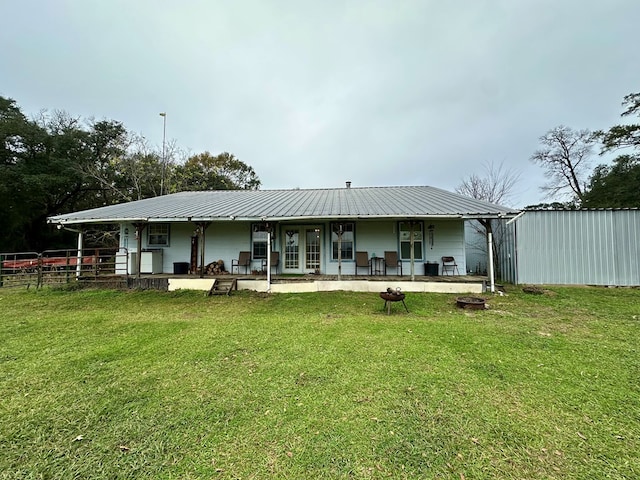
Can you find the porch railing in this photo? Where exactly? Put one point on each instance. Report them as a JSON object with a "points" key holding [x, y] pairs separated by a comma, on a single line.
{"points": [[59, 267]]}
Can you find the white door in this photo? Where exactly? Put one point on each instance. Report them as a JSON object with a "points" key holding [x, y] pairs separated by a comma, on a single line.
{"points": [[302, 249]]}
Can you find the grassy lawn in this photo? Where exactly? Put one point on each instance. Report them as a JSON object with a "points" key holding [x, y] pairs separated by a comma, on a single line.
{"points": [[107, 384]]}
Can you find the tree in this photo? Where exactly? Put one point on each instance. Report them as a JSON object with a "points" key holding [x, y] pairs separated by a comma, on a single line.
{"points": [[52, 164], [615, 186], [551, 206], [13, 126], [134, 173], [565, 156], [623, 136], [140, 175], [107, 144], [37, 176], [57, 163], [496, 186], [14, 130], [222, 172]]}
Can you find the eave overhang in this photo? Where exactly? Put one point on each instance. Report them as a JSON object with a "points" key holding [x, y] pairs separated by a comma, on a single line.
{"points": [[300, 218]]}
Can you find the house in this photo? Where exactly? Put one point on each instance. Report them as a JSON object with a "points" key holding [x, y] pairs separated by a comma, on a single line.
{"points": [[311, 231]]}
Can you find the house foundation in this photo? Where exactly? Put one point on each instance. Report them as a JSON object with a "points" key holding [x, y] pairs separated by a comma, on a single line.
{"points": [[306, 285]]}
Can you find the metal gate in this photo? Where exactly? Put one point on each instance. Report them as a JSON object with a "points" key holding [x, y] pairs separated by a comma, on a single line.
{"points": [[60, 267]]}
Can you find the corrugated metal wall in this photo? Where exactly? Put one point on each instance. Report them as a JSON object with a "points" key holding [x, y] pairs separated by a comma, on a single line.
{"points": [[583, 247], [507, 254]]}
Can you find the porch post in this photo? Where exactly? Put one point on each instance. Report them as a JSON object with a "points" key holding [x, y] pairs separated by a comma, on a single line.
{"points": [[411, 243], [139, 229], [491, 279], [79, 256], [340, 252], [202, 226], [202, 236], [268, 229]]}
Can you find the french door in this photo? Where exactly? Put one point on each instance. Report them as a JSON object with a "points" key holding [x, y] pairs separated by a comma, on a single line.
{"points": [[302, 249]]}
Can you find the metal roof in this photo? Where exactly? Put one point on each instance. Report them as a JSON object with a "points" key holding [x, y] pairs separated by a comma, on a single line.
{"points": [[297, 204]]}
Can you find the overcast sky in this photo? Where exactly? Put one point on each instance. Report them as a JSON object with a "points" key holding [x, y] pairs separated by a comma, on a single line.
{"points": [[312, 94]]}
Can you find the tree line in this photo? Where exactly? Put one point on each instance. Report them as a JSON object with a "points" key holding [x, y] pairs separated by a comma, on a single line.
{"points": [[55, 163], [566, 156]]}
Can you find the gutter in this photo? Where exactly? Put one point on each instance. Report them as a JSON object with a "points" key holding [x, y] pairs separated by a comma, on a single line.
{"points": [[74, 230], [516, 217], [94, 220], [298, 218]]}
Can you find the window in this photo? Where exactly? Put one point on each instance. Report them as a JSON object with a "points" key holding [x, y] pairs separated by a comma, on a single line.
{"points": [[259, 240], [405, 240], [158, 235], [346, 247]]}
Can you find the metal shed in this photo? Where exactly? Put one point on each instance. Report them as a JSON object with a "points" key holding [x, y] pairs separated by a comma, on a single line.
{"points": [[573, 247]]}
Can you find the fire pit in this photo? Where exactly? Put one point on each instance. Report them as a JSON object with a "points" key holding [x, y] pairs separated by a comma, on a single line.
{"points": [[473, 303], [391, 296]]}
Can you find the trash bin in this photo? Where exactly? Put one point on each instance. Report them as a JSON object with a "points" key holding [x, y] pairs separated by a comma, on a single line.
{"points": [[180, 268], [431, 269]]}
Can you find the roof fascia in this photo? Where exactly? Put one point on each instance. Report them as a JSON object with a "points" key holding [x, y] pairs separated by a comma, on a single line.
{"points": [[76, 221], [500, 216], [300, 218]]}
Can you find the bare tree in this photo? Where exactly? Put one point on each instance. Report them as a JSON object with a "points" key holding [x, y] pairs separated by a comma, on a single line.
{"points": [[566, 157], [145, 172], [495, 186]]}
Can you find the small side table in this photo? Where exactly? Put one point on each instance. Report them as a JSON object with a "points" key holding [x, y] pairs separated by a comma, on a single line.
{"points": [[377, 265]]}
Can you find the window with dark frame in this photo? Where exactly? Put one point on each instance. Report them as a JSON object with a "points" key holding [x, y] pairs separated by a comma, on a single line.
{"points": [[158, 235], [348, 229], [259, 241], [404, 230]]}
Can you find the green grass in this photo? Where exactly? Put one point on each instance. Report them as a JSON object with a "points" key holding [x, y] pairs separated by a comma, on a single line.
{"points": [[107, 384]]}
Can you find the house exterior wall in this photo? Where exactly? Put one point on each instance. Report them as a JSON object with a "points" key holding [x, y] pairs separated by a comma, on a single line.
{"points": [[179, 249], [448, 241], [582, 247], [224, 240], [375, 237]]}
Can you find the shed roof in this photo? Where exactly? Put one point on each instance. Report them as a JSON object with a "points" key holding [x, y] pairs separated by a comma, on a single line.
{"points": [[297, 204]]}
